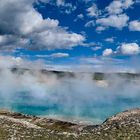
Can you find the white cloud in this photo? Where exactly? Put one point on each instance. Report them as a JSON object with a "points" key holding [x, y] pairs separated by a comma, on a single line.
{"points": [[129, 49], [96, 48], [54, 55], [65, 7], [128, 3], [93, 11], [103, 64], [69, 8], [117, 6], [134, 25], [60, 2], [59, 55], [55, 39], [107, 52], [56, 2], [16, 20], [89, 44], [116, 21], [10, 42], [91, 60], [27, 24], [114, 15], [111, 39], [90, 23], [7, 61], [100, 28], [80, 16]]}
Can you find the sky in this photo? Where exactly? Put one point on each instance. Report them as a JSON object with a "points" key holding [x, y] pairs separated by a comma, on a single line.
{"points": [[93, 35]]}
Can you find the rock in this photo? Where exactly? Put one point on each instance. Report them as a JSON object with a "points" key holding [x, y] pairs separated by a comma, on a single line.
{"points": [[17, 126]]}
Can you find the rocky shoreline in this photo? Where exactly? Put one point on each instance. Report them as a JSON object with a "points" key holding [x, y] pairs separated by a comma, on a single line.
{"points": [[16, 126]]}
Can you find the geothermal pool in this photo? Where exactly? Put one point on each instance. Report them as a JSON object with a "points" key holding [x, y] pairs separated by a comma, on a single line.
{"points": [[78, 99], [91, 113]]}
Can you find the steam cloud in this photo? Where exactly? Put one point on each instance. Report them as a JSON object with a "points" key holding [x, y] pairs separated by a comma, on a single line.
{"points": [[35, 92]]}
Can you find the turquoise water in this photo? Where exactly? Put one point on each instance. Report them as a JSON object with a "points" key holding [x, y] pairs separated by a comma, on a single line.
{"points": [[96, 111]]}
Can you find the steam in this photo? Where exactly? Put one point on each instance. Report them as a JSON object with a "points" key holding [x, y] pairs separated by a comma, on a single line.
{"points": [[68, 95]]}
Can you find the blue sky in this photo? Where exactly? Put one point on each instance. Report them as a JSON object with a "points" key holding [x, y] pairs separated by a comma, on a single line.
{"points": [[72, 32]]}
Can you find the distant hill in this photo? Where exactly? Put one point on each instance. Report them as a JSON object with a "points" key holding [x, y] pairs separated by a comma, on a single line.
{"points": [[96, 75]]}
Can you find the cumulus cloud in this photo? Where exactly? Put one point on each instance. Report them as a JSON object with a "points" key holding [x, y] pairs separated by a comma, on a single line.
{"points": [[114, 15], [134, 25], [129, 48], [26, 24], [16, 20], [116, 21], [117, 6], [124, 49], [93, 11], [107, 52], [10, 42], [55, 39]]}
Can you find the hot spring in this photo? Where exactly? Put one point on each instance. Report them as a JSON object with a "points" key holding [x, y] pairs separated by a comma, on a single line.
{"points": [[81, 97]]}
